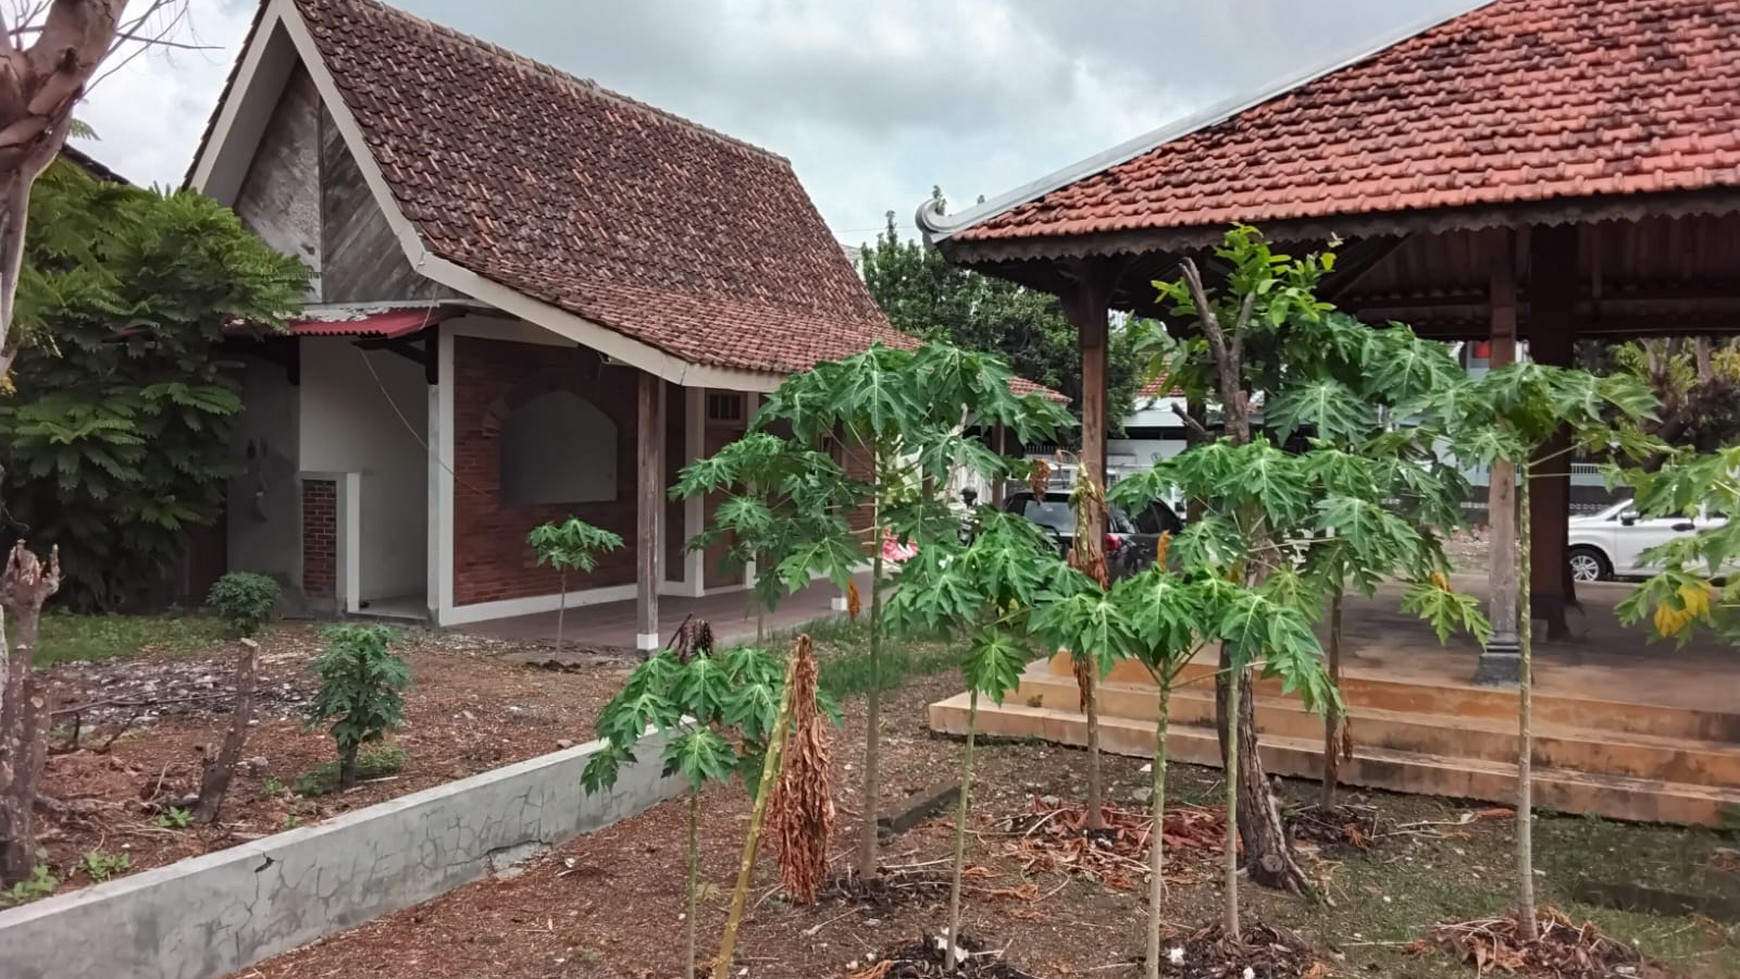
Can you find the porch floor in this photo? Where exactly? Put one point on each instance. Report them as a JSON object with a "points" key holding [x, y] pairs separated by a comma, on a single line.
{"points": [[612, 625]]}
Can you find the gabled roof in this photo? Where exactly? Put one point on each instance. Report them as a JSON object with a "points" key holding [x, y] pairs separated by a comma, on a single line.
{"points": [[1516, 101], [672, 235]]}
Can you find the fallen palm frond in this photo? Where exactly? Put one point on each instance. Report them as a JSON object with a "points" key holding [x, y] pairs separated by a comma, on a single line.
{"points": [[1563, 951], [802, 816]]}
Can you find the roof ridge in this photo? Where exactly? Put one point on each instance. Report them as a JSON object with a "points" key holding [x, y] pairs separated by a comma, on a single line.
{"points": [[937, 227], [588, 85]]}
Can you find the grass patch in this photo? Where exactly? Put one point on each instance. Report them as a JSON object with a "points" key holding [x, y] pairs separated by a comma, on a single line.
{"points": [[843, 653], [375, 761], [67, 637]]}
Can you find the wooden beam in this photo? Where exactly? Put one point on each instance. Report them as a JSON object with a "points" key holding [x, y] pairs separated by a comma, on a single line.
{"points": [[1500, 660], [1552, 332], [649, 506], [1087, 304]]}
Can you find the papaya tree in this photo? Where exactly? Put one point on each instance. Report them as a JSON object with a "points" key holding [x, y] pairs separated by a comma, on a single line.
{"points": [[715, 714], [569, 545], [985, 590], [1258, 508], [906, 412], [1514, 413]]}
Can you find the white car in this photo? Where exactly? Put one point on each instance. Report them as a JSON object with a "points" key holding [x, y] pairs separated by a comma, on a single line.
{"points": [[1610, 544]]}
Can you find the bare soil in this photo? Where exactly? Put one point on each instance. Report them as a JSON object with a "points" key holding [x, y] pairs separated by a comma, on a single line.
{"points": [[466, 711], [609, 905]]}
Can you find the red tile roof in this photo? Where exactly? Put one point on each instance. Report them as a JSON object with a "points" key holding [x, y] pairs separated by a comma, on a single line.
{"points": [[1158, 388], [680, 237], [1517, 101]]}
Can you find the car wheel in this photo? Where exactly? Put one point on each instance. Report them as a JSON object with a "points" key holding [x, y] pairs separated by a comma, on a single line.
{"points": [[1589, 564]]}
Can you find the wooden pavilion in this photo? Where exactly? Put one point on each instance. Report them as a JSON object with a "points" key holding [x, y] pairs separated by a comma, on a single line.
{"points": [[1536, 170]]}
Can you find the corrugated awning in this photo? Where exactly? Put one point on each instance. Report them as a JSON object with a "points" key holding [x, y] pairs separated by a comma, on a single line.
{"points": [[385, 323]]}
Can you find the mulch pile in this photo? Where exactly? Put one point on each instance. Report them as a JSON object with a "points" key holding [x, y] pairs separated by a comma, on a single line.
{"points": [[889, 889], [1263, 952], [1338, 830], [1564, 951], [1057, 839], [925, 958]]}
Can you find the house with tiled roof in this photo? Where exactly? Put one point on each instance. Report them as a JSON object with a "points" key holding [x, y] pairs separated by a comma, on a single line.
{"points": [[534, 297]]}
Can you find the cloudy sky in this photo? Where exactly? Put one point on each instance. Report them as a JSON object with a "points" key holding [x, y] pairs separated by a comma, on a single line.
{"points": [[874, 102]]}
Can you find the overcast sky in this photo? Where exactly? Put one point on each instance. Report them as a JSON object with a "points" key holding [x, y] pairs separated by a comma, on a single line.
{"points": [[874, 102]]}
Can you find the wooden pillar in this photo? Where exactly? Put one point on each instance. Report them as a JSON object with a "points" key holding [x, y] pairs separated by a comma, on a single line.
{"points": [[1088, 305], [695, 507], [1500, 660], [649, 507], [1552, 335]]}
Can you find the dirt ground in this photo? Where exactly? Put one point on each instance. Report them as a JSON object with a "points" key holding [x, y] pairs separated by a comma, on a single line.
{"points": [[610, 905], [466, 711]]}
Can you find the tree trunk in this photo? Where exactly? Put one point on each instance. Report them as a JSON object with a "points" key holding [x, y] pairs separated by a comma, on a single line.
{"points": [[216, 779], [1525, 855], [1335, 741], [24, 716], [694, 883], [1157, 835], [561, 612], [1234, 804], [873, 705], [949, 955], [347, 766], [770, 766]]}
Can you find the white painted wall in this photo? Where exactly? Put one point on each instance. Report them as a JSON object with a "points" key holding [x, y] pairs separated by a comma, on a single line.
{"points": [[348, 424], [265, 506]]}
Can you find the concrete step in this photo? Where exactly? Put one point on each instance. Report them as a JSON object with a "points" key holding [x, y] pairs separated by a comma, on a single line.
{"points": [[1556, 745], [1436, 696], [1561, 789]]}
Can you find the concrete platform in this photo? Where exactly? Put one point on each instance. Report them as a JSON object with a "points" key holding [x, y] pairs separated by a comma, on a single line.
{"points": [[1623, 728]]}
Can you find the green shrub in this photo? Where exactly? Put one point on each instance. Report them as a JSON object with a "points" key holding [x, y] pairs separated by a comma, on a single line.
{"points": [[100, 866], [245, 601], [378, 761], [175, 818], [359, 691], [40, 884]]}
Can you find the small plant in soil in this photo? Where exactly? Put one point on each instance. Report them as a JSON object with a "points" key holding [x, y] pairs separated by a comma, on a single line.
{"points": [[100, 866], [38, 885], [273, 788], [696, 703], [376, 761], [988, 589], [571, 545], [360, 682], [174, 817], [244, 601]]}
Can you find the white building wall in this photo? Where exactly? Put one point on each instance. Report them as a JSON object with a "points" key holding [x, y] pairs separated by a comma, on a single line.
{"points": [[349, 424]]}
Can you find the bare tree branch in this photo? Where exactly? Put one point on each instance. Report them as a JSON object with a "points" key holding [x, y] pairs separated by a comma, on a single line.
{"points": [[1190, 421]]}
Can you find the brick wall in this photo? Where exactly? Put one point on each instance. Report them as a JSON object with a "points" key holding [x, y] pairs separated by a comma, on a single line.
{"points": [[491, 561], [860, 463], [320, 539]]}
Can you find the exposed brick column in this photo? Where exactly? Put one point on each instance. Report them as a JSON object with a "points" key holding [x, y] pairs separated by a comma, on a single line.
{"points": [[320, 539]]}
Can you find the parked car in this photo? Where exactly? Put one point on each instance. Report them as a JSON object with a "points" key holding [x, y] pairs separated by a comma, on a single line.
{"points": [[1131, 542], [1610, 544]]}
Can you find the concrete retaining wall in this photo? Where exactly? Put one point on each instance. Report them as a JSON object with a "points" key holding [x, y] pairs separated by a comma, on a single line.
{"points": [[220, 912]]}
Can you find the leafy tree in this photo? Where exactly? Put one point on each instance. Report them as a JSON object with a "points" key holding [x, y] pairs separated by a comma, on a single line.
{"points": [[907, 410], [1287, 529], [572, 545], [1697, 382], [114, 432], [244, 600], [925, 296], [359, 691], [986, 589], [1697, 587], [1512, 414], [787, 512], [694, 703]]}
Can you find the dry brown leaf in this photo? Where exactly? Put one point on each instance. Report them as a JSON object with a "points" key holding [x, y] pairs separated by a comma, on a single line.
{"points": [[801, 814], [877, 971]]}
